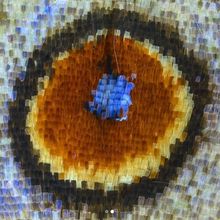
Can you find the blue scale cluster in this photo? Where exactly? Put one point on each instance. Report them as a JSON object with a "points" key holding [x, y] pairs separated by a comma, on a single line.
{"points": [[112, 97]]}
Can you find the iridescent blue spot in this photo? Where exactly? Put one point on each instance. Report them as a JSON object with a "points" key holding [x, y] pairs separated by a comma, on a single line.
{"points": [[28, 182], [111, 98], [18, 30], [35, 24], [36, 8], [58, 204], [25, 191], [7, 67], [47, 9], [24, 54], [47, 213]]}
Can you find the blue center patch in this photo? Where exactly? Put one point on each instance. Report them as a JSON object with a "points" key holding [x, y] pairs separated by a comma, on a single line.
{"points": [[112, 97]]}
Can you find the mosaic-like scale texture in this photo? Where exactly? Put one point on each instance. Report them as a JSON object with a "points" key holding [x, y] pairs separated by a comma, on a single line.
{"points": [[111, 98], [32, 38], [106, 151], [40, 68]]}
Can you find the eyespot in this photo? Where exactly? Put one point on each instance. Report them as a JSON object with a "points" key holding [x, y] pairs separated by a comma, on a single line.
{"points": [[58, 165], [164, 40]]}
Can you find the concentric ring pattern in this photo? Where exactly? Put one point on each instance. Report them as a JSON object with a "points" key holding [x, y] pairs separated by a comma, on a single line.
{"points": [[87, 148], [81, 162], [34, 67]]}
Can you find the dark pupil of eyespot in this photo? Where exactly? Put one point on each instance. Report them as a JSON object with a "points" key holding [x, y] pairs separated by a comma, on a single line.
{"points": [[164, 36]]}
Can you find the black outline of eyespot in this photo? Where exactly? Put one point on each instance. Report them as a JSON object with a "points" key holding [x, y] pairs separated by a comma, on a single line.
{"points": [[140, 29]]}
